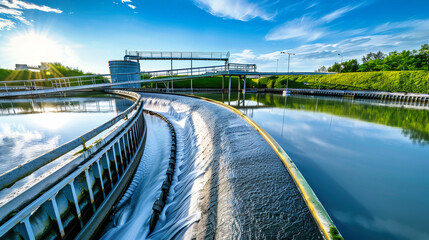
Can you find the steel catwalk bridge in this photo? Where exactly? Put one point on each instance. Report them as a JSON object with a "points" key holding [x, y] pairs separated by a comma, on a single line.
{"points": [[103, 81], [159, 55]]}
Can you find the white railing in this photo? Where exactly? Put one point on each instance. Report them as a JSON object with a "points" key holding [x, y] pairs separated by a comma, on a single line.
{"points": [[176, 55], [50, 85], [74, 200]]}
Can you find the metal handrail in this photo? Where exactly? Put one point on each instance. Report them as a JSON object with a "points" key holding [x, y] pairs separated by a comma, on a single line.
{"points": [[175, 54], [128, 140], [10, 177], [28, 87], [115, 74]]}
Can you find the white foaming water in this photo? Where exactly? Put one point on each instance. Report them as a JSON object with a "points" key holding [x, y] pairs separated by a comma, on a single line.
{"points": [[135, 208], [194, 150], [182, 208]]}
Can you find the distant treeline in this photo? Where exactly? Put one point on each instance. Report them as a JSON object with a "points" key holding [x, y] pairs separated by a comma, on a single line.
{"points": [[394, 61]]}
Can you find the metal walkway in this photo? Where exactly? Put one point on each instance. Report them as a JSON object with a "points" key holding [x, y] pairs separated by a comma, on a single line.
{"points": [[102, 81], [154, 55]]}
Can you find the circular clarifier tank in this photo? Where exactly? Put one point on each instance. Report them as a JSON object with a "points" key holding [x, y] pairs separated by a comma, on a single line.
{"points": [[119, 70]]}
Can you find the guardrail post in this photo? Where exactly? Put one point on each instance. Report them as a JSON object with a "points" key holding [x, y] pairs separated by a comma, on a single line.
{"points": [[57, 216], [76, 202], [91, 194], [5, 86], [101, 177], [27, 225]]}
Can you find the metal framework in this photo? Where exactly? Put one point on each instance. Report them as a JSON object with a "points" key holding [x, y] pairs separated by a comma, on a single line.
{"points": [[157, 55], [62, 84], [76, 198]]}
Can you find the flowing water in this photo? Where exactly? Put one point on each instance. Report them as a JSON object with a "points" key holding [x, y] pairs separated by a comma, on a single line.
{"points": [[366, 160]]}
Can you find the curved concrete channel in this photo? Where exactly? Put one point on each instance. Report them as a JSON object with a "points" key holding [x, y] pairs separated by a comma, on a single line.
{"points": [[230, 181]]}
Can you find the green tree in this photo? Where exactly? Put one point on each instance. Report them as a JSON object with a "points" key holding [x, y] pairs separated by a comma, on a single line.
{"points": [[424, 56], [350, 66], [335, 68], [373, 56]]}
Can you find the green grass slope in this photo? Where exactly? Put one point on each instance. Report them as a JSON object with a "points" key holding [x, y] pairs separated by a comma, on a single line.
{"points": [[392, 81]]}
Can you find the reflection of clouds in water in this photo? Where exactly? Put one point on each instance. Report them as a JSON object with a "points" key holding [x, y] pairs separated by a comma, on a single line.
{"points": [[309, 121], [382, 225], [18, 145]]}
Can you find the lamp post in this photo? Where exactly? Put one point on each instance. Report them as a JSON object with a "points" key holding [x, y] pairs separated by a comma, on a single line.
{"points": [[341, 65], [277, 68], [288, 65]]}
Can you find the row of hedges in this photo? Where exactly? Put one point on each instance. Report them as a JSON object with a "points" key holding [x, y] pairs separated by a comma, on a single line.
{"points": [[392, 81]]}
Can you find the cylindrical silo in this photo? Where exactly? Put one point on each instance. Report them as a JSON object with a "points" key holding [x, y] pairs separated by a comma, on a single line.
{"points": [[119, 70]]}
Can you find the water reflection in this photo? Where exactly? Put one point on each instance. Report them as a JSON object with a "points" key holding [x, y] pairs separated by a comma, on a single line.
{"points": [[366, 160], [31, 127], [412, 118]]}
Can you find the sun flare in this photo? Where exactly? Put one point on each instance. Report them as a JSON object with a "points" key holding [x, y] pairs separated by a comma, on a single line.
{"points": [[32, 48]]}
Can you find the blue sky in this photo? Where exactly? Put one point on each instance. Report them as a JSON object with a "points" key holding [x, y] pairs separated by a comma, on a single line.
{"points": [[86, 34]]}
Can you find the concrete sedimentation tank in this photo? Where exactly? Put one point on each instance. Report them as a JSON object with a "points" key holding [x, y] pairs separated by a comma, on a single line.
{"points": [[121, 70], [229, 182]]}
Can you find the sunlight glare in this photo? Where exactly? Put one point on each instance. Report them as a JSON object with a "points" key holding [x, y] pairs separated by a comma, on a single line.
{"points": [[33, 48]]}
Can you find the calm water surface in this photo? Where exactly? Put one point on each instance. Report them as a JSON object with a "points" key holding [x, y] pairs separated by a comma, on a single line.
{"points": [[367, 161], [30, 127]]}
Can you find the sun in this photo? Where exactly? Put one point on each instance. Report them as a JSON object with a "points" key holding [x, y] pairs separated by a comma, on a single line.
{"points": [[32, 48]]}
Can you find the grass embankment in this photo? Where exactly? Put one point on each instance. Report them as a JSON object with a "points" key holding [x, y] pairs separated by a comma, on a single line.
{"points": [[54, 70], [392, 81], [209, 82]]}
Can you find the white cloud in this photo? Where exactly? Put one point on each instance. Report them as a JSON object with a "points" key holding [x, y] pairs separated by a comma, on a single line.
{"points": [[9, 11], [6, 24], [244, 57], [18, 4], [302, 28], [14, 10], [415, 24], [128, 3], [22, 19], [234, 9], [305, 28], [309, 57], [338, 13]]}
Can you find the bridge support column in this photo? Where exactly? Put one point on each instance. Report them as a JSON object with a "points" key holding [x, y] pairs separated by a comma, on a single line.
{"points": [[223, 83], [229, 91], [172, 83], [239, 82], [244, 85]]}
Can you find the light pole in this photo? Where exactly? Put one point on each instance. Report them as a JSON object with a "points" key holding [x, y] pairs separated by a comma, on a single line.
{"points": [[288, 65], [277, 68], [341, 65]]}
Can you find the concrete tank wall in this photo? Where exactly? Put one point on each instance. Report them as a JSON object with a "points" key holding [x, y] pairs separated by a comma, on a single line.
{"points": [[231, 183], [121, 66]]}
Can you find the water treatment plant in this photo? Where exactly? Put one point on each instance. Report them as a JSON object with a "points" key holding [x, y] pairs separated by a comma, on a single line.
{"points": [[107, 157]]}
